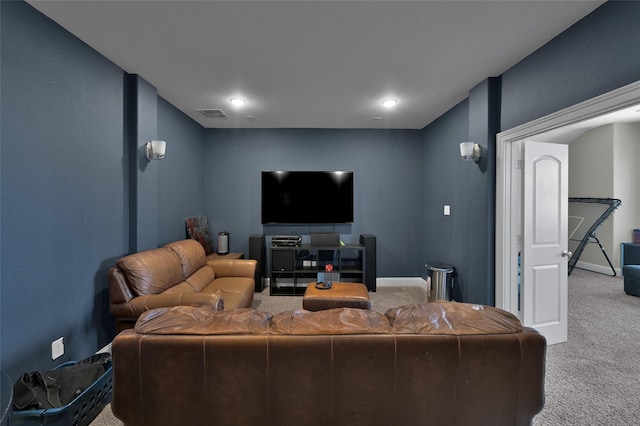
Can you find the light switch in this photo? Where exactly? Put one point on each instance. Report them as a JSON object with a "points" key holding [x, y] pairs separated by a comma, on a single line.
{"points": [[447, 210]]}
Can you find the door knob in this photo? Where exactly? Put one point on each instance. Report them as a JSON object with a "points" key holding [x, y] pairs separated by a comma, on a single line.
{"points": [[566, 253]]}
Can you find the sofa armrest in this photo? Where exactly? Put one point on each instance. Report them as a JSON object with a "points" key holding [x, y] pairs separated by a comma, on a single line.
{"points": [[132, 309], [119, 291], [245, 268]]}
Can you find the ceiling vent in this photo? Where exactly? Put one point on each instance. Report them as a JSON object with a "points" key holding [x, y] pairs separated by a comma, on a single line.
{"points": [[213, 113]]}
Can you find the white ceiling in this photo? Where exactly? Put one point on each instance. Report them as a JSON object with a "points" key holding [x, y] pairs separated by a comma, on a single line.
{"points": [[315, 64]]}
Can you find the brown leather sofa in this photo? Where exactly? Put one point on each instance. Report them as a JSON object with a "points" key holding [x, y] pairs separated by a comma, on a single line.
{"points": [[174, 275], [441, 363]]}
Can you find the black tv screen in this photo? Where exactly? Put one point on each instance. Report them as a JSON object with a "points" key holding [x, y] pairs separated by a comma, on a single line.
{"points": [[298, 197]]}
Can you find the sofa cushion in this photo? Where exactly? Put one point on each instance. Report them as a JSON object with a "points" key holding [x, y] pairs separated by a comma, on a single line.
{"points": [[452, 318], [181, 288], [201, 278], [237, 292], [202, 321], [331, 321], [233, 299], [232, 284], [151, 271], [191, 255]]}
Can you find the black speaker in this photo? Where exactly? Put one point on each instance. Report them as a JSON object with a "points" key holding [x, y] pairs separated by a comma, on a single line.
{"points": [[328, 240], [258, 251], [282, 260], [370, 269]]}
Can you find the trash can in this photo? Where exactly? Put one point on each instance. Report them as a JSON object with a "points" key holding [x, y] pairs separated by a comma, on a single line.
{"points": [[223, 242], [439, 281]]}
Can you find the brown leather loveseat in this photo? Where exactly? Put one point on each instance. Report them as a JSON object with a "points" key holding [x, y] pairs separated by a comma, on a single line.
{"points": [[441, 363], [175, 275]]}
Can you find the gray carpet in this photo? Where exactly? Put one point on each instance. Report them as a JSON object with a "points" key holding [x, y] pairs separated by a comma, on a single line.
{"points": [[591, 380], [381, 300]]}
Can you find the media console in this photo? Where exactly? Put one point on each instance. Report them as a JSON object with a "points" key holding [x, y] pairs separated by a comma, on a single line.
{"points": [[293, 268]]}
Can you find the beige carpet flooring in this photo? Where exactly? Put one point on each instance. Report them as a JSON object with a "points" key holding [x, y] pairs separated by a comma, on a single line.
{"points": [[593, 379]]}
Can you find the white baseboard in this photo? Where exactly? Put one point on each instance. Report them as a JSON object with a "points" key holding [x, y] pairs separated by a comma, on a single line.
{"points": [[401, 282], [593, 267]]}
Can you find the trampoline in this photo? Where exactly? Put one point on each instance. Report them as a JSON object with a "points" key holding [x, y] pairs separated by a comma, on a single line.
{"points": [[585, 217]]}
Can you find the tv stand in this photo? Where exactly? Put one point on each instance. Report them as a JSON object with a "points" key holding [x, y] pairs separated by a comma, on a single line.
{"points": [[292, 269]]}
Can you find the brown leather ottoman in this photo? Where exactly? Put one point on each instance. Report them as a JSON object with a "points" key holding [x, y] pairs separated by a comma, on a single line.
{"points": [[340, 295]]}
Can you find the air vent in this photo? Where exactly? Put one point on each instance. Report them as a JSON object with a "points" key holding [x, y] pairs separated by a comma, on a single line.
{"points": [[212, 113]]}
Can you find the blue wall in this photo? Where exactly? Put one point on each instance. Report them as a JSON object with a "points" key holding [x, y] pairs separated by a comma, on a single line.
{"points": [[447, 179], [141, 127], [387, 170], [63, 190], [180, 173], [596, 55], [72, 178]]}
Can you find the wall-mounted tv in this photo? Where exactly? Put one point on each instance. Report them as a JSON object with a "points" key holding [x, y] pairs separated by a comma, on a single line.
{"points": [[299, 197]]}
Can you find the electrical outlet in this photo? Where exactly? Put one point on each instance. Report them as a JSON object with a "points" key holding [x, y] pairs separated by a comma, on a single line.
{"points": [[57, 348], [447, 210]]}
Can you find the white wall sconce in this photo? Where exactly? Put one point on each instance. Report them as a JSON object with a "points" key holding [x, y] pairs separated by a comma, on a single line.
{"points": [[470, 151], [156, 150]]}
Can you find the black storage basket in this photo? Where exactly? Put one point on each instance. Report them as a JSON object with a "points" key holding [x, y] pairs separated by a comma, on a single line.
{"points": [[79, 412]]}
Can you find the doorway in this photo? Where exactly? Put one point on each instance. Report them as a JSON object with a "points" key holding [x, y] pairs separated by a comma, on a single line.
{"points": [[555, 127]]}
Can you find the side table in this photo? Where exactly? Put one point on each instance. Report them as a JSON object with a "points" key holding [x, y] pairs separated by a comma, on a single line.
{"points": [[230, 255]]}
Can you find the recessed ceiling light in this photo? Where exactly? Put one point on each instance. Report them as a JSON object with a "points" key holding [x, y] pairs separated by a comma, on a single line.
{"points": [[237, 102], [389, 103]]}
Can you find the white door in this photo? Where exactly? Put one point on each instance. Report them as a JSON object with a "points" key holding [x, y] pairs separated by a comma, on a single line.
{"points": [[545, 239]]}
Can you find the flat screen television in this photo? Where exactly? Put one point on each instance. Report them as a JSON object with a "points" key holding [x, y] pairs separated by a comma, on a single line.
{"points": [[299, 197]]}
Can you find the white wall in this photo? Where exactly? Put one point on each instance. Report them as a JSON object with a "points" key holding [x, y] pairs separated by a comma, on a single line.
{"points": [[604, 163], [626, 152], [591, 175], [591, 163]]}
